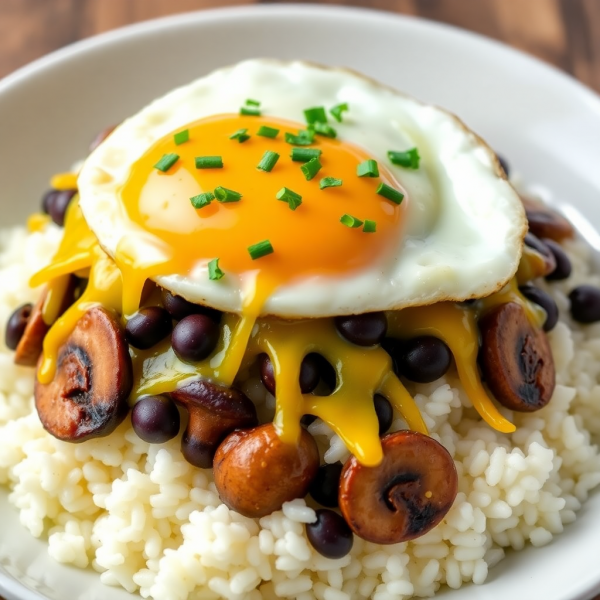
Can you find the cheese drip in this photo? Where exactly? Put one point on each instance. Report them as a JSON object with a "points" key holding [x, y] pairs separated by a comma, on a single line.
{"points": [[360, 372]]}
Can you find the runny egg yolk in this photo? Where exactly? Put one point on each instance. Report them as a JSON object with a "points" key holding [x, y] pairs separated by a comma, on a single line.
{"points": [[309, 241]]}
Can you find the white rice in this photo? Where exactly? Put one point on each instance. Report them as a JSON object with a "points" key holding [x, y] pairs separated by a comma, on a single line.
{"points": [[146, 520]]}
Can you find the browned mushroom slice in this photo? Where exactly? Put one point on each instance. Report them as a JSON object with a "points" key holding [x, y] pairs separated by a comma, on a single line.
{"points": [[516, 359], [404, 497], [255, 472], [215, 411], [546, 222], [30, 345], [88, 396]]}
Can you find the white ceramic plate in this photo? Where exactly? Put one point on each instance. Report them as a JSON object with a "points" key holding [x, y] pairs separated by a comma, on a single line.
{"points": [[546, 123]]}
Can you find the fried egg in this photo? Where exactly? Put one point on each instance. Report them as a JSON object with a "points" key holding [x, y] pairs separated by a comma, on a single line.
{"points": [[452, 229]]}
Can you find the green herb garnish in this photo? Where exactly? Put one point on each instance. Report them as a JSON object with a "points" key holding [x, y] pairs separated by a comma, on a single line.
{"points": [[182, 137], [304, 154], [225, 195], [328, 182], [214, 273], [209, 162], [408, 159], [390, 193], [293, 199], [268, 161], [350, 221], [369, 226], [316, 114], [260, 249], [240, 135], [302, 138], [368, 168], [268, 132], [250, 111], [251, 102], [337, 111], [166, 162], [202, 200], [311, 168], [323, 129]]}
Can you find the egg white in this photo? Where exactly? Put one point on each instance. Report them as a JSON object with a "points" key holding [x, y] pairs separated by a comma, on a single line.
{"points": [[464, 223]]}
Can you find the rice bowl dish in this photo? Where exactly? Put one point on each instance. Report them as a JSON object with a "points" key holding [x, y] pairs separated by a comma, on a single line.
{"points": [[148, 520]]}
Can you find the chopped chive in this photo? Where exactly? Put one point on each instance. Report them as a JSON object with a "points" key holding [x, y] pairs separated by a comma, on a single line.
{"points": [[181, 137], [214, 273], [268, 132], [304, 154], [209, 162], [316, 114], [251, 102], [390, 193], [369, 226], [224, 195], [409, 158], [350, 221], [303, 138], [311, 168], [327, 182], [323, 129], [202, 200], [268, 161], [260, 249], [368, 168], [293, 199], [166, 162], [337, 111], [250, 111], [240, 135]]}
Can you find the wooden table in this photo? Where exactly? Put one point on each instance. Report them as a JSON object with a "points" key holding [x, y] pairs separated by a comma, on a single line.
{"points": [[565, 33]]}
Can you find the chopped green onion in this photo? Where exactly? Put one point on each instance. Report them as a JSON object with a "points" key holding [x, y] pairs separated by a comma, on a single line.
{"points": [[350, 221], [369, 226], [311, 168], [250, 111], [337, 111], [303, 138], [214, 273], [209, 162], [166, 162], [315, 115], [268, 161], [202, 200], [327, 182], [409, 158], [240, 135], [390, 193], [260, 249], [268, 132], [304, 154], [368, 168], [224, 195], [251, 102], [293, 199], [323, 129], [182, 137]]}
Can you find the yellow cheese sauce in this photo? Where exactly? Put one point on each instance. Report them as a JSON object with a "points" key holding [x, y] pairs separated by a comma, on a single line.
{"points": [[361, 372]]}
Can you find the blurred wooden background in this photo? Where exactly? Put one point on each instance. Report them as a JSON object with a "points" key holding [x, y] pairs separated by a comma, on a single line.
{"points": [[565, 33]]}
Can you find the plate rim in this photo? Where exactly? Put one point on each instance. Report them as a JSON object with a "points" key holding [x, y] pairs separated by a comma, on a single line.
{"points": [[13, 588]]}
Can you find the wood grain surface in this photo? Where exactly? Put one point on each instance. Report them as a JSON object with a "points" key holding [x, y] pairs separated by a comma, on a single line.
{"points": [[565, 33]]}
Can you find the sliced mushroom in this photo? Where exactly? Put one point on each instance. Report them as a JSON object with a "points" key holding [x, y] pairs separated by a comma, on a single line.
{"points": [[404, 497], [215, 411], [31, 343], [88, 396], [546, 222], [516, 359], [255, 472]]}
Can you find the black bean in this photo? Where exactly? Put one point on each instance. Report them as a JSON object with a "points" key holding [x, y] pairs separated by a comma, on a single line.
{"points": [[504, 164], [424, 359], [363, 330], [585, 303], [15, 327], [309, 373], [326, 484], [563, 264], [327, 374], [148, 326], [179, 307], [330, 535], [155, 419], [195, 337], [384, 411], [395, 348], [56, 202], [534, 242], [197, 452], [541, 298], [307, 420]]}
